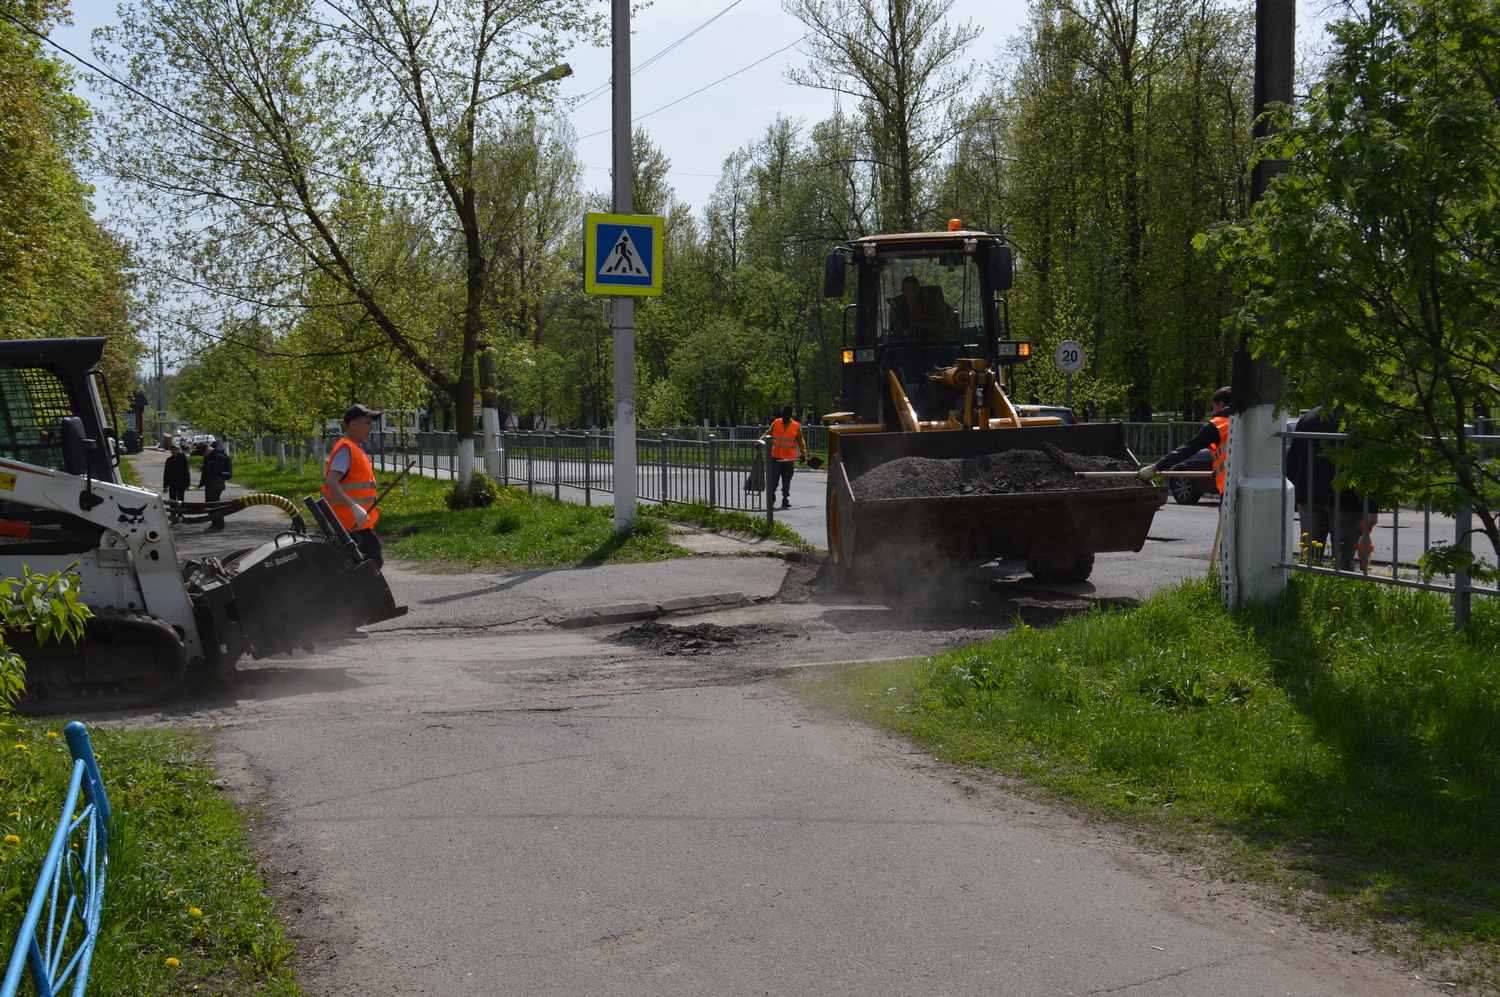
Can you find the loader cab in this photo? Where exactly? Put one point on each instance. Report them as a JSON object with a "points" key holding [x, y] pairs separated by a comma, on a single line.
{"points": [[921, 301]]}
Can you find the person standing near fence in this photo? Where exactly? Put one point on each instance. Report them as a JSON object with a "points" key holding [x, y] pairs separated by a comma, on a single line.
{"points": [[1213, 436], [1327, 518], [787, 447], [349, 482]]}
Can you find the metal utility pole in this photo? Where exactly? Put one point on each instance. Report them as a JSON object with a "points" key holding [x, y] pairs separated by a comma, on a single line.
{"points": [[622, 306], [1256, 535], [161, 390]]}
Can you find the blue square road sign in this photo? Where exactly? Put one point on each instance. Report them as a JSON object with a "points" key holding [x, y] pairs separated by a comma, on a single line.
{"points": [[622, 254]]}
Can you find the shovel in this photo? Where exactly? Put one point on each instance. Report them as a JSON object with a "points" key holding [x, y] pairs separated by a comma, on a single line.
{"points": [[1132, 474]]}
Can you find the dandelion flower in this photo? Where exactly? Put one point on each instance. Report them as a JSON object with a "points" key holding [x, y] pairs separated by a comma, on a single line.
{"points": [[31, 800], [21, 747], [171, 893], [15, 813], [173, 962], [195, 912], [52, 733], [12, 839]]}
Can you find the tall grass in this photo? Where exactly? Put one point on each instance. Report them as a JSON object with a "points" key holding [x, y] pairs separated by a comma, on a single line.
{"points": [[182, 882], [1344, 737]]}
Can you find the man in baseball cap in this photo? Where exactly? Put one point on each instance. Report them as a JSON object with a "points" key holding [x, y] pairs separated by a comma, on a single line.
{"points": [[356, 410]]}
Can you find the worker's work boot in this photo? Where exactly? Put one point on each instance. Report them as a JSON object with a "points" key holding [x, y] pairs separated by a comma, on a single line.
{"points": [[786, 503]]}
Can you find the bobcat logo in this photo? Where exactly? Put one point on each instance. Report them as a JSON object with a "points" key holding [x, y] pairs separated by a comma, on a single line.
{"points": [[131, 516]]}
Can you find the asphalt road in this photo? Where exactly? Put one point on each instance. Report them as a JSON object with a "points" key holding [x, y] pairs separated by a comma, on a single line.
{"points": [[475, 800]]}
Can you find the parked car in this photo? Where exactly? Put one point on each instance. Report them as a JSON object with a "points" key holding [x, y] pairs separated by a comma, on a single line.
{"points": [[1189, 490], [1067, 415]]}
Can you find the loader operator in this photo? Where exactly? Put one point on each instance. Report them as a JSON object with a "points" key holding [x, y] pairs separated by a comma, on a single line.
{"points": [[787, 447], [349, 482], [919, 313], [1214, 436]]}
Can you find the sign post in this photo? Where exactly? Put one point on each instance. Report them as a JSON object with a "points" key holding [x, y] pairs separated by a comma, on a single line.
{"points": [[1069, 360]]}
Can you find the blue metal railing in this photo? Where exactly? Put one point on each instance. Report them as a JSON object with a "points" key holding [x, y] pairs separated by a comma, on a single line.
{"points": [[70, 889]]}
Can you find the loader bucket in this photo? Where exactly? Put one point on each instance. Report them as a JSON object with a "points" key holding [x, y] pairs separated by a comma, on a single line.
{"points": [[300, 589], [887, 536]]}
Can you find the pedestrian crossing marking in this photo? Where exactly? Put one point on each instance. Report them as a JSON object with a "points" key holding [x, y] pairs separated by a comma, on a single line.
{"points": [[622, 254], [624, 259]]}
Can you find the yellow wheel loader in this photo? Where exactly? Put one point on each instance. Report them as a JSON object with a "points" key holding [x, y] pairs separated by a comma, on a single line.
{"points": [[923, 375], [155, 621]]}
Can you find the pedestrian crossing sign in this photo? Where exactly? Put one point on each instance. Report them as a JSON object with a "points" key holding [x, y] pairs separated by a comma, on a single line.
{"points": [[622, 254]]}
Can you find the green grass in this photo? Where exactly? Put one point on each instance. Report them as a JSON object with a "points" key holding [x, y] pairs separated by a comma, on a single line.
{"points": [[519, 531], [703, 515], [128, 474], [1342, 747], [179, 844]]}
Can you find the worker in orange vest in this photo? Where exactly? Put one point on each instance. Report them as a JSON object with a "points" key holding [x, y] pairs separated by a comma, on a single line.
{"points": [[787, 447], [349, 482], [1214, 436]]}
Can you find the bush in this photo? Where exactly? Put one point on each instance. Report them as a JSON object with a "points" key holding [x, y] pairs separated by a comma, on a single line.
{"points": [[481, 493]]}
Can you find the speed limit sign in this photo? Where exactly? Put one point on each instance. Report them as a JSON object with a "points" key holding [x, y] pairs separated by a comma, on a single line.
{"points": [[1069, 356]]}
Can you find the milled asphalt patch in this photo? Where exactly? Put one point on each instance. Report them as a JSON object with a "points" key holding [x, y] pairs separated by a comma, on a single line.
{"points": [[633, 612]]}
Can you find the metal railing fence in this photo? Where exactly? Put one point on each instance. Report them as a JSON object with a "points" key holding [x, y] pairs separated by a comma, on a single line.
{"points": [[1350, 549], [667, 470], [69, 891]]}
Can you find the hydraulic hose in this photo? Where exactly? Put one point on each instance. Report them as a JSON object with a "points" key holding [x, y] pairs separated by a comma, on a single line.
{"points": [[284, 504]]}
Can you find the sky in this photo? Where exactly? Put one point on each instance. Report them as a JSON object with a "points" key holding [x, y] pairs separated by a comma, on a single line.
{"points": [[701, 131]]}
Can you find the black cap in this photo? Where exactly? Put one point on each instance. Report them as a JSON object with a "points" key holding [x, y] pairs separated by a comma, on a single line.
{"points": [[355, 411]]}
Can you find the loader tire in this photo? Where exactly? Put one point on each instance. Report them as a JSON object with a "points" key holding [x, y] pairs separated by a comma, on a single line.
{"points": [[1051, 571]]}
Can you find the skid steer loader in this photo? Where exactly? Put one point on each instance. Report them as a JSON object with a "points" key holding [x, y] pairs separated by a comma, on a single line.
{"points": [[62, 506], [923, 375]]}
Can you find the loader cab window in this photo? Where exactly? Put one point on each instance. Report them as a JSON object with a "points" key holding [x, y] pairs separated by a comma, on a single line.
{"points": [[930, 296], [32, 401]]}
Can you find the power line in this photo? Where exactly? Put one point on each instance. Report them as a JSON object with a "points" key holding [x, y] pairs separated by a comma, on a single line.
{"points": [[598, 91], [696, 92], [205, 128]]}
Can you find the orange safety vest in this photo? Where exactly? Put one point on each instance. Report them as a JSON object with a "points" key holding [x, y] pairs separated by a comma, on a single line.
{"points": [[784, 440], [359, 484], [1220, 451]]}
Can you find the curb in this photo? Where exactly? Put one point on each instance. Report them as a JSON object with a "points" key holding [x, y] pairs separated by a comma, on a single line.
{"points": [[633, 612]]}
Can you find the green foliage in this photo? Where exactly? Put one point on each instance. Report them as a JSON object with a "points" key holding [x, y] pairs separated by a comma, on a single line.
{"points": [[1371, 265], [519, 530], [1346, 738], [899, 59], [480, 493], [45, 606], [61, 273], [178, 846]]}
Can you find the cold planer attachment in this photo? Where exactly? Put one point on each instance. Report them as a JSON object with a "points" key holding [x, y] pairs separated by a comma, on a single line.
{"points": [[288, 592]]}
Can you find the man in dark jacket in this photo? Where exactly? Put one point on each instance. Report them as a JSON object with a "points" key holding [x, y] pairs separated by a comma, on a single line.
{"points": [[215, 472], [1328, 518], [177, 477]]}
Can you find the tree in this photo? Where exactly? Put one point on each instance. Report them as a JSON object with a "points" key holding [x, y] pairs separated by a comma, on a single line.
{"points": [[899, 60], [1373, 264], [278, 140], [61, 272]]}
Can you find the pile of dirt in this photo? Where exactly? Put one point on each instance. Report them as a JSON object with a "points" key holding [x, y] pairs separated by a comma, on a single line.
{"points": [[700, 638], [998, 472]]}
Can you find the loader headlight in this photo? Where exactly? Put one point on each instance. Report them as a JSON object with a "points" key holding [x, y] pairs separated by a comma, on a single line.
{"points": [[1012, 350]]}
